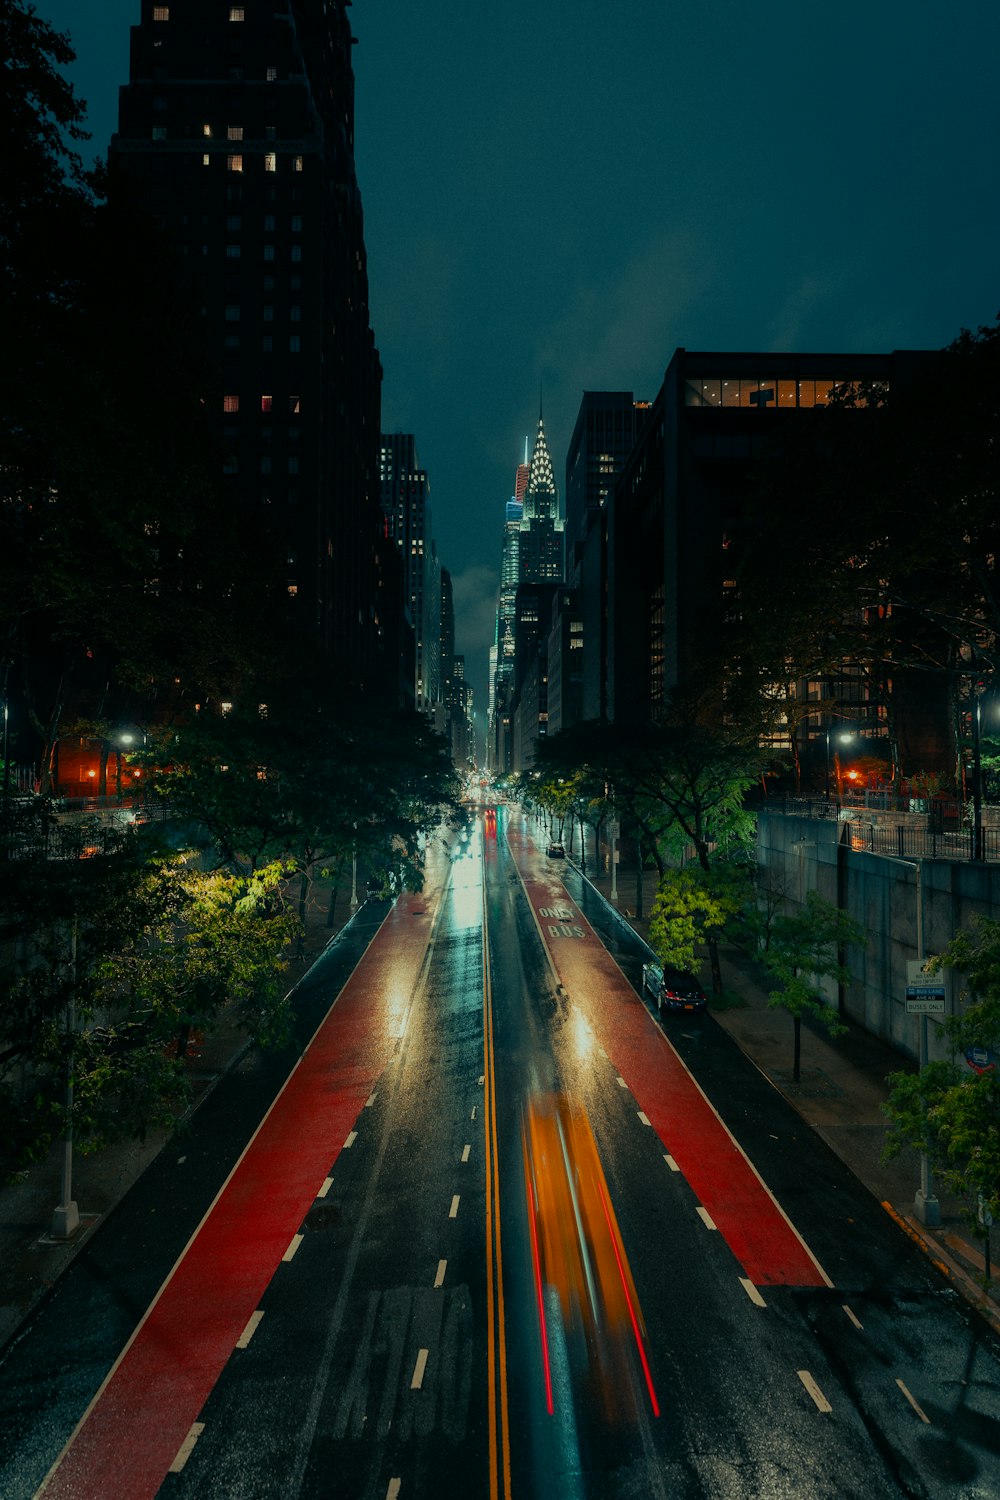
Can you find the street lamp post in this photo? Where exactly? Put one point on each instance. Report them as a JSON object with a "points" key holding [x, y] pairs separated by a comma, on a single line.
{"points": [[66, 1215], [925, 1205], [6, 743], [978, 851], [843, 737], [124, 740]]}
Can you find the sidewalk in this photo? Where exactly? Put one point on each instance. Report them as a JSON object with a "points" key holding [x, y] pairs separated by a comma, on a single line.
{"points": [[31, 1259], [840, 1094]]}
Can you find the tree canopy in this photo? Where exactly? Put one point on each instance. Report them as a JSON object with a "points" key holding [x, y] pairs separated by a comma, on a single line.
{"points": [[950, 1109]]}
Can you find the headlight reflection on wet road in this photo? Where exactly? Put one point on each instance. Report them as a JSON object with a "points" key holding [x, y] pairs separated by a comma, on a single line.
{"points": [[577, 1251]]}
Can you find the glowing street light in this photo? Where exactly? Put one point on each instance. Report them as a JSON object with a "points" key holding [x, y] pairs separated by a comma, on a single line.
{"points": [[843, 737]]}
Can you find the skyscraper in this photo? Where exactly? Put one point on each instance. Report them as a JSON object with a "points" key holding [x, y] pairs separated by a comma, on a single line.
{"points": [[405, 495], [541, 547], [531, 565], [236, 131]]}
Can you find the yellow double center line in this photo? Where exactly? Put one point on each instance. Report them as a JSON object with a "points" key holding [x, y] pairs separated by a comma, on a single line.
{"points": [[499, 1428]]}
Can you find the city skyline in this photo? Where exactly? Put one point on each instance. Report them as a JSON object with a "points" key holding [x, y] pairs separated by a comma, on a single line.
{"points": [[548, 198]]}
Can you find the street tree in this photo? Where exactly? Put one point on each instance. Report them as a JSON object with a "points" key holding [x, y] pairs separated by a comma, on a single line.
{"points": [[113, 952], [950, 1109], [803, 950]]}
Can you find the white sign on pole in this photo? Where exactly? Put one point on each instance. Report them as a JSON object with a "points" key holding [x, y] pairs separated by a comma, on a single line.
{"points": [[924, 992]]}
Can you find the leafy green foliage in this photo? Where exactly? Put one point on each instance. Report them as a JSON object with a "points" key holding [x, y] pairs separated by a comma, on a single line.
{"points": [[804, 949], [120, 956], [309, 779], [947, 1110], [688, 910]]}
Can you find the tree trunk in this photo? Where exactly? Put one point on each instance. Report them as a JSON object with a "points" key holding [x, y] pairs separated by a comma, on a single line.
{"points": [[303, 893], [797, 1052], [638, 883], [330, 911], [183, 1037]]}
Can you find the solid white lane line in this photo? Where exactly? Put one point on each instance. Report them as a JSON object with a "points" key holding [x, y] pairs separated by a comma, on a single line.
{"points": [[327, 1185], [670, 1162], [752, 1292], [453, 1210], [253, 1322], [914, 1403], [392, 1493], [821, 1402], [439, 1278], [184, 1451], [643, 1117], [295, 1243], [418, 1370], [350, 1140], [465, 1152], [853, 1316], [370, 1100], [706, 1218], [621, 1082]]}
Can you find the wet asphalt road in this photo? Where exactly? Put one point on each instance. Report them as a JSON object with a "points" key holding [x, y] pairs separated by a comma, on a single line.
{"points": [[400, 1352]]}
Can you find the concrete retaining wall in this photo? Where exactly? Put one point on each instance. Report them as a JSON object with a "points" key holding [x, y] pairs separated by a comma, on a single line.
{"points": [[799, 854]]}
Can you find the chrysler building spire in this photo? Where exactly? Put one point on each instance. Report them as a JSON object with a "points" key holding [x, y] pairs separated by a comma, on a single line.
{"points": [[540, 498]]}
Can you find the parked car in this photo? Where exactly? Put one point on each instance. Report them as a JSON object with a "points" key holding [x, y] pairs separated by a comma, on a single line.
{"points": [[556, 851], [673, 989]]}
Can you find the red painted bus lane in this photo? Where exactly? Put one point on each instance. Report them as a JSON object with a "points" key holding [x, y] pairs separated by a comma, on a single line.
{"points": [[723, 1179], [130, 1435]]}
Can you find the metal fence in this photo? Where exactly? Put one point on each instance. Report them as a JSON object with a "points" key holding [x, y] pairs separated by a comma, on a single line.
{"points": [[38, 828], [900, 827]]}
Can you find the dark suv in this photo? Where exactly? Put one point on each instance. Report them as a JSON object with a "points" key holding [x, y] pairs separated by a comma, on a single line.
{"points": [[673, 989]]}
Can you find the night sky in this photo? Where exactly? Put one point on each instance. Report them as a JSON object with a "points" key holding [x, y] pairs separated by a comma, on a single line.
{"points": [[559, 193]]}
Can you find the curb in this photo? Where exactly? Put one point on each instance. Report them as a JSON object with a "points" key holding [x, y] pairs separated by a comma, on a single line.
{"points": [[944, 1260], [949, 1267]]}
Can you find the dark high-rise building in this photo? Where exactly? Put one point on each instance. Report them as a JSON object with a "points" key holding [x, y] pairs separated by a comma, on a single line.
{"points": [[532, 556], [405, 496], [236, 131], [605, 432], [674, 527], [606, 428]]}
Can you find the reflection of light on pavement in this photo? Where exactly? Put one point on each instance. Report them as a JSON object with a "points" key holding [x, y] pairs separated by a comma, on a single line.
{"points": [[397, 1010], [577, 1252], [581, 1036], [466, 885]]}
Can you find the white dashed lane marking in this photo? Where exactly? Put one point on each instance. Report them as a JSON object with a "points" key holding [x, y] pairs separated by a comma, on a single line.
{"points": [[184, 1451], [453, 1210], [252, 1325], [418, 1370], [822, 1404], [752, 1292], [914, 1403], [439, 1278]]}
